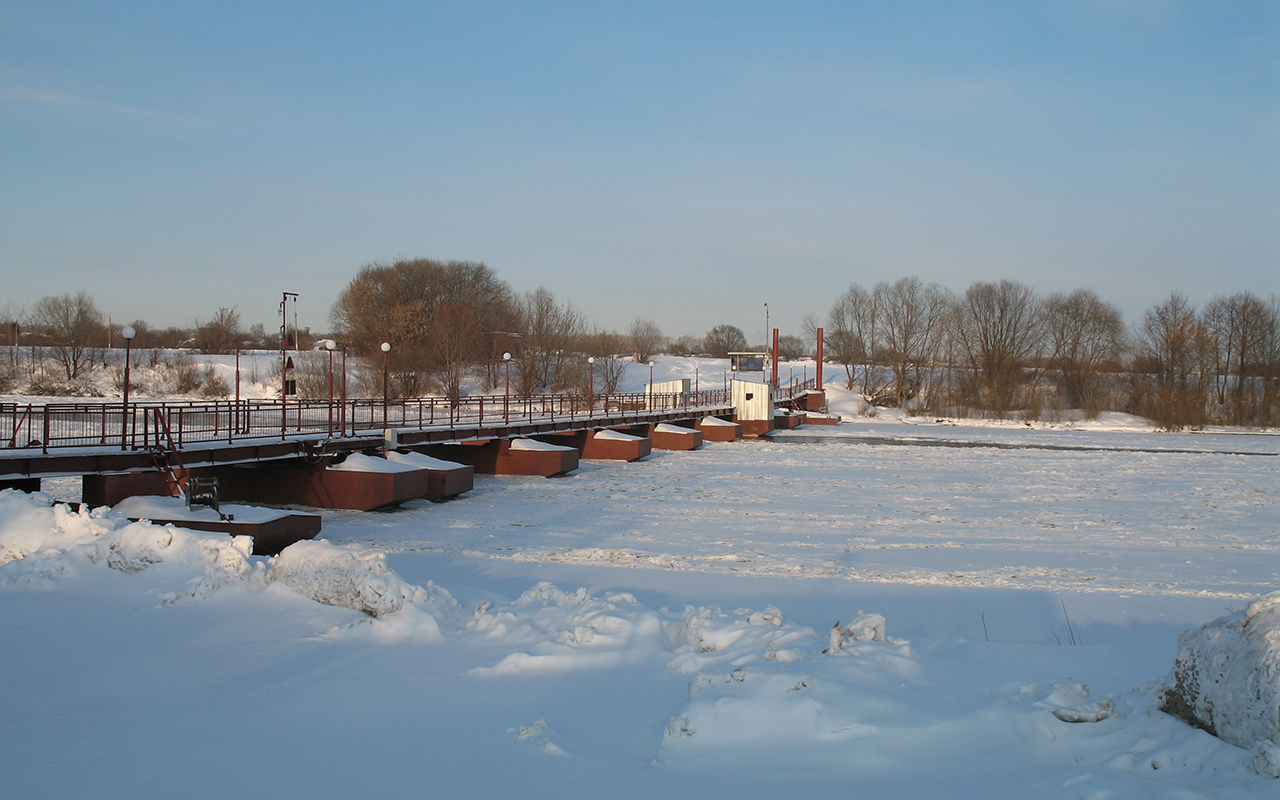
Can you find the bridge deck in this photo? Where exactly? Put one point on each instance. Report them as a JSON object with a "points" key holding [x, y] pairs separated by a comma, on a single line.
{"points": [[42, 460], [53, 439]]}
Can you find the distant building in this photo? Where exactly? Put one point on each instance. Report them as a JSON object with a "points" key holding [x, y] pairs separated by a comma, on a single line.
{"points": [[747, 362]]}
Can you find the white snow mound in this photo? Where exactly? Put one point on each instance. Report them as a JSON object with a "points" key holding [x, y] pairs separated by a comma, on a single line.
{"points": [[534, 444], [1226, 679], [339, 576], [43, 543], [617, 436], [423, 461], [792, 706], [359, 462]]}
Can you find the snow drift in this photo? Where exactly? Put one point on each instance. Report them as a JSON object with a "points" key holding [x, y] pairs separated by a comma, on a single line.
{"points": [[340, 576], [664, 698], [49, 542]]}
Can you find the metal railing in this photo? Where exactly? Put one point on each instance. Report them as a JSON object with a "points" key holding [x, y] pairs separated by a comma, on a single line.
{"points": [[141, 425]]}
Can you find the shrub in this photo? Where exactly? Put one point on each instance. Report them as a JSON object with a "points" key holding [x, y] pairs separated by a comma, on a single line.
{"points": [[214, 386]]}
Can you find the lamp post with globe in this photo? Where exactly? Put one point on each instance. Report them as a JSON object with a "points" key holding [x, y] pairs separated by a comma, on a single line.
{"points": [[128, 333], [386, 348], [329, 345], [506, 397]]}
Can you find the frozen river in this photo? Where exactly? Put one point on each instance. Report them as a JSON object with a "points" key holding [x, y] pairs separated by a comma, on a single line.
{"points": [[665, 627], [1056, 510]]}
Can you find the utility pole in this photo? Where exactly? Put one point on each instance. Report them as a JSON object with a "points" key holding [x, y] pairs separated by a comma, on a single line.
{"points": [[284, 358]]}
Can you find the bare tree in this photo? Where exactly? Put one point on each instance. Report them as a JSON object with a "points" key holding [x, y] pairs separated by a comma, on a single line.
{"points": [[1084, 333], [1175, 352], [1270, 358], [684, 346], [646, 339], [454, 331], [1001, 333], [610, 364], [11, 331], [547, 352], [722, 340], [437, 316], [912, 321], [1242, 326], [790, 348], [851, 336], [74, 328], [222, 334], [809, 333]]}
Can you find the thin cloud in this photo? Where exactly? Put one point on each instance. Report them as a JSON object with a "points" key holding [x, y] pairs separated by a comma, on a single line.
{"points": [[70, 102]]}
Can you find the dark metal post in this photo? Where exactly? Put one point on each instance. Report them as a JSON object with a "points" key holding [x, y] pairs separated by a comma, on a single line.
{"points": [[328, 345], [284, 360], [818, 377], [128, 334], [506, 397], [386, 349], [284, 388], [775, 356], [235, 422]]}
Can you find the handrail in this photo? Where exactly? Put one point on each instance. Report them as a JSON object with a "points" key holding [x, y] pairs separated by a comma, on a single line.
{"points": [[191, 422]]}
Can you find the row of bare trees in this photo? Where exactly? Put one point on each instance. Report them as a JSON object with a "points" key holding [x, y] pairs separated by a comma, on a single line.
{"points": [[1219, 365], [1000, 348], [75, 334], [447, 321]]}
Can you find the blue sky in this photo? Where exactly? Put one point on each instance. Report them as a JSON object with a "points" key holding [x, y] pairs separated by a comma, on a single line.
{"points": [[684, 162]]}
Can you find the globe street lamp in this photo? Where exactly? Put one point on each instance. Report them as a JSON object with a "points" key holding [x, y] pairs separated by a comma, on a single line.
{"points": [[128, 333], [285, 361], [506, 397], [764, 369], [591, 383], [329, 345], [650, 384], [386, 348]]}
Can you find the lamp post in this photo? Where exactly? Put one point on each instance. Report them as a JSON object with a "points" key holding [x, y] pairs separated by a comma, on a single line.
{"points": [[237, 414], [764, 371], [386, 348], [506, 397], [284, 359], [342, 407], [650, 384], [128, 333], [591, 383], [329, 344]]}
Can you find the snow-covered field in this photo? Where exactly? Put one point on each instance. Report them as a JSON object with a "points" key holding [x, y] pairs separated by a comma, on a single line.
{"points": [[662, 628]]}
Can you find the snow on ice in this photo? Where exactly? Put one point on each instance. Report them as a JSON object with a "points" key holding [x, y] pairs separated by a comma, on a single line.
{"points": [[854, 613]]}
